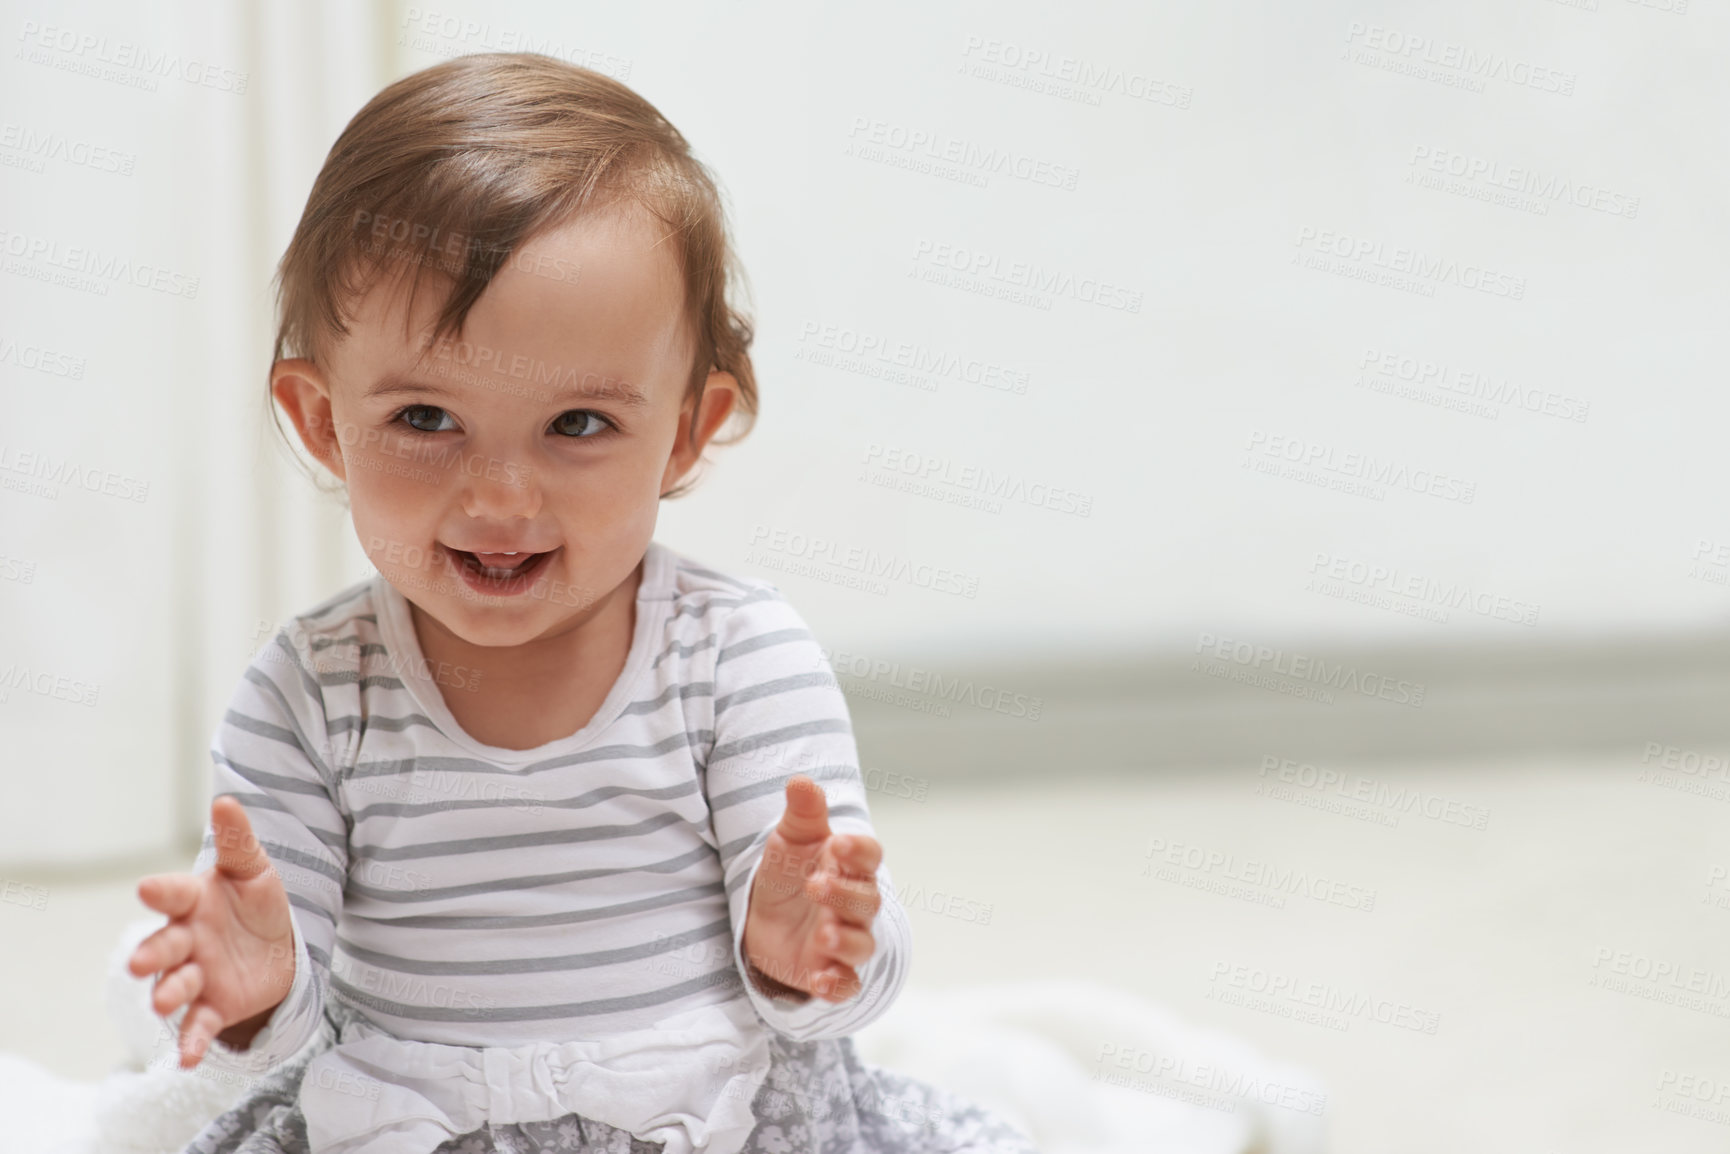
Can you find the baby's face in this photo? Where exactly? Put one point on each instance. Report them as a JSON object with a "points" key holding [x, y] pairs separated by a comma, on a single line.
{"points": [[549, 430]]}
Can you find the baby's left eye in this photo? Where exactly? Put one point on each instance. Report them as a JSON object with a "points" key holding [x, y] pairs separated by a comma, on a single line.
{"points": [[580, 424]]}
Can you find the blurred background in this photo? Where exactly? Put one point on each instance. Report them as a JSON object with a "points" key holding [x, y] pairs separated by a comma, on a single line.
{"points": [[1286, 440]]}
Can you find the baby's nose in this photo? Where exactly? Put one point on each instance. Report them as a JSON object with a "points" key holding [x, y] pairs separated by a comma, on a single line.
{"points": [[495, 486]]}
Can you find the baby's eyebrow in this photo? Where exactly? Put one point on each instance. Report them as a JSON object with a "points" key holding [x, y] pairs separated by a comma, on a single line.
{"points": [[607, 389]]}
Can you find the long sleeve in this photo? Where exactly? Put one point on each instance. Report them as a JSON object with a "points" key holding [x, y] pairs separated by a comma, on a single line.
{"points": [[272, 753], [778, 710]]}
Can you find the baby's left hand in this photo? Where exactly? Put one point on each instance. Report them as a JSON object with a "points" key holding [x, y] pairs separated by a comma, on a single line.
{"points": [[808, 920]]}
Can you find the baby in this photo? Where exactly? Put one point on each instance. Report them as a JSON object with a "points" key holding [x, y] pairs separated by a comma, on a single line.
{"points": [[545, 836]]}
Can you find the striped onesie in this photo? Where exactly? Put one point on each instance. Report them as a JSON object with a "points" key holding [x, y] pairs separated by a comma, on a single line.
{"points": [[540, 948]]}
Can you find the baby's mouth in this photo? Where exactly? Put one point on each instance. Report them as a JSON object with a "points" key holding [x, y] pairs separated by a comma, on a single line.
{"points": [[499, 566]]}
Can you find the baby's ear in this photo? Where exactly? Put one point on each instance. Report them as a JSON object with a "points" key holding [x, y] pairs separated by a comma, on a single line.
{"points": [[302, 390], [720, 395], [696, 426]]}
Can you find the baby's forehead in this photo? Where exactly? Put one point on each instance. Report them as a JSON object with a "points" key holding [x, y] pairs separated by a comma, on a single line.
{"points": [[599, 292]]}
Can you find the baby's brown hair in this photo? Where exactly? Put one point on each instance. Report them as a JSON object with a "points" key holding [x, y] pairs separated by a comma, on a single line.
{"points": [[456, 165]]}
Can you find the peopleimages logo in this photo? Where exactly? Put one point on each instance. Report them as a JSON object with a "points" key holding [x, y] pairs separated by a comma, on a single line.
{"points": [[43, 360], [1545, 187], [1221, 1079], [1065, 76], [1465, 61], [867, 564], [44, 683], [1397, 799], [930, 682], [105, 267], [1661, 980], [1262, 662], [1471, 384], [1279, 993], [1413, 263], [865, 350], [91, 51], [1166, 861], [975, 479], [941, 258], [51, 472], [40, 146], [1271, 452], [1363, 580], [970, 157]]}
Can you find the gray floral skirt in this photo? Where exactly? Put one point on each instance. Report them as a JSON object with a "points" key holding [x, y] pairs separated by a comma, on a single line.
{"points": [[818, 1098]]}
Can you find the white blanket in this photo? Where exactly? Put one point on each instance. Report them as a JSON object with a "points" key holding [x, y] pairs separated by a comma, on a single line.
{"points": [[1082, 1068]]}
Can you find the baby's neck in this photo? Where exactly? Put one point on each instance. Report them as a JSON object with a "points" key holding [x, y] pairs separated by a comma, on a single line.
{"points": [[523, 696]]}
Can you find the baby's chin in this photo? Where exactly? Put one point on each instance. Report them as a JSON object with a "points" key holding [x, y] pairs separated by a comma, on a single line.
{"points": [[482, 610], [490, 626]]}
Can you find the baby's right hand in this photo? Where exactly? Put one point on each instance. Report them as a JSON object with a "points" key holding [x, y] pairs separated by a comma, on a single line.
{"points": [[228, 947]]}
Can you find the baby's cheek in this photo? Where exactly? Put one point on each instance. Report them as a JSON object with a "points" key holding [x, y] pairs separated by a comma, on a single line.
{"points": [[386, 524]]}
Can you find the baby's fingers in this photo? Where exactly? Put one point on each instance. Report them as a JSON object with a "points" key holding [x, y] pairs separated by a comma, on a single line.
{"points": [[846, 943], [167, 947], [172, 894], [177, 989], [854, 900], [201, 1024], [857, 854]]}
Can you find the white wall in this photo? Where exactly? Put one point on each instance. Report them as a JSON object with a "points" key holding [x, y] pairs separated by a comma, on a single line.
{"points": [[1266, 129], [180, 141], [1593, 523]]}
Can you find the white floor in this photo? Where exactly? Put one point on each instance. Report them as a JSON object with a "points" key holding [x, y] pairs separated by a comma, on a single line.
{"points": [[1496, 937]]}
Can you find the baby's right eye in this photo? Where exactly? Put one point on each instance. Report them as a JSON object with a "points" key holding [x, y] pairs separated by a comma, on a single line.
{"points": [[412, 412]]}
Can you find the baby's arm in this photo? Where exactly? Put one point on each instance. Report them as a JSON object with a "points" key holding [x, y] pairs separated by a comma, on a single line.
{"points": [[272, 754], [780, 712]]}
